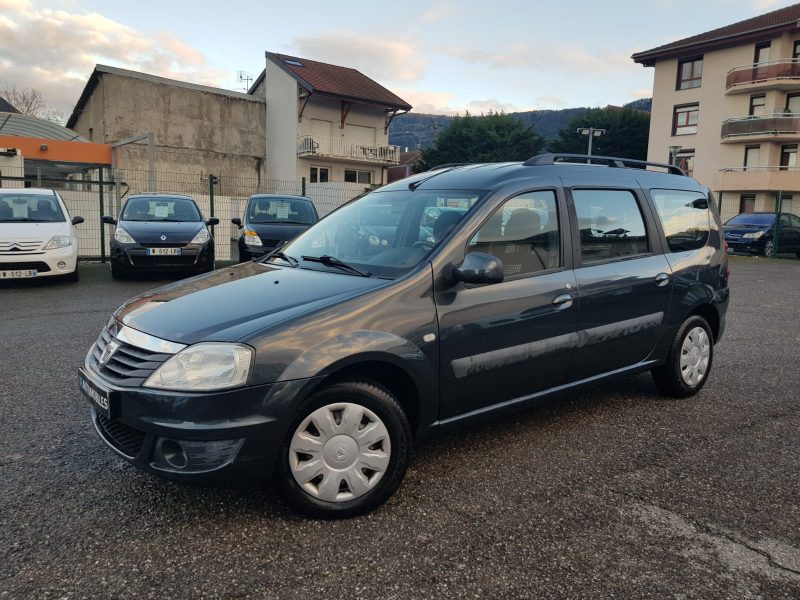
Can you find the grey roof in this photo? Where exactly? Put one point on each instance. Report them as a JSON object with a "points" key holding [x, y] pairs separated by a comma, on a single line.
{"points": [[27, 126], [6, 106], [101, 70]]}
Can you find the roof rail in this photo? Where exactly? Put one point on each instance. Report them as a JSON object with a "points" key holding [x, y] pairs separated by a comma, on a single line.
{"points": [[448, 166], [611, 161]]}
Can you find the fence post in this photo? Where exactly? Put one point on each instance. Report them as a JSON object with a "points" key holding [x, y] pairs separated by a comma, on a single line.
{"points": [[303, 186], [102, 229], [211, 181], [778, 209]]}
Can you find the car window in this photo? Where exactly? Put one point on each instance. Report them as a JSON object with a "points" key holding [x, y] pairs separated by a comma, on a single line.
{"points": [[386, 233], [785, 221], [685, 217], [523, 233], [160, 208], [279, 210], [795, 220], [30, 208], [610, 224]]}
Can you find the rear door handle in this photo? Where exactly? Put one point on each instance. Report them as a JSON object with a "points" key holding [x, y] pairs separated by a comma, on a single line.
{"points": [[662, 279], [562, 301]]}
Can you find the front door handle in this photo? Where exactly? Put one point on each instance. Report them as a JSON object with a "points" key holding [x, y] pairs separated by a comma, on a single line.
{"points": [[662, 279], [562, 301]]}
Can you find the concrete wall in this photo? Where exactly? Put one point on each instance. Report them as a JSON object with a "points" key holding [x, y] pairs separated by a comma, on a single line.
{"points": [[195, 131], [711, 156], [281, 93]]}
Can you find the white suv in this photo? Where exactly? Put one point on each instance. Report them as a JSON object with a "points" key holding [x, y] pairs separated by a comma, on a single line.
{"points": [[36, 235]]}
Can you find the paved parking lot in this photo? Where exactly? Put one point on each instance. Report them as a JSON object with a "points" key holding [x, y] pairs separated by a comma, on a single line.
{"points": [[615, 492]]}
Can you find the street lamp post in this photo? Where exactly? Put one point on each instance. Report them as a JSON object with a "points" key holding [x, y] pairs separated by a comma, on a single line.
{"points": [[592, 133]]}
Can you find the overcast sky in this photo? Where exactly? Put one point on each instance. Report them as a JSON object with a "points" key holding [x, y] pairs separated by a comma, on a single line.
{"points": [[440, 55]]}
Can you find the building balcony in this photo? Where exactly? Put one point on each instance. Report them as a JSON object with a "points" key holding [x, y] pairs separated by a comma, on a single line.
{"points": [[779, 127], [347, 149], [781, 74], [758, 179]]}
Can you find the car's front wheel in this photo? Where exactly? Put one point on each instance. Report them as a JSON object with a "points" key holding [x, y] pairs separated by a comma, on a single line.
{"points": [[118, 272], [768, 248], [689, 361], [346, 451]]}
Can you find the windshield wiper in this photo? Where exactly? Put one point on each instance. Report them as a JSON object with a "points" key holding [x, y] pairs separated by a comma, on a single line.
{"points": [[278, 253], [332, 261]]}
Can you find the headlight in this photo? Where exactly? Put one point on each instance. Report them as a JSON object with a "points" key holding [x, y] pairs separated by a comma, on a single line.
{"points": [[58, 241], [754, 236], [251, 238], [204, 367], [201, 238], [123, 237]]}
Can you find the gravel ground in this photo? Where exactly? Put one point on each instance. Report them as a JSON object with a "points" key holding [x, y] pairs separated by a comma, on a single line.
{"points": [[615, 492]]}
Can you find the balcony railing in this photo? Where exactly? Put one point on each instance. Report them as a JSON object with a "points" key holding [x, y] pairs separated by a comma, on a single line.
{"points": [[784, 69], [779, 125], [345, 148]]}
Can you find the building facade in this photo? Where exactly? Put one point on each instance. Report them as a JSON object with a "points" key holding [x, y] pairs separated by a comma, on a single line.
{"points": [[726, 108]]}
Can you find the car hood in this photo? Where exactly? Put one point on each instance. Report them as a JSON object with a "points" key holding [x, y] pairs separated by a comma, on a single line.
{"points": [[41, 232], [232, 303], [278, 232], [742, 229], [150, 232]]}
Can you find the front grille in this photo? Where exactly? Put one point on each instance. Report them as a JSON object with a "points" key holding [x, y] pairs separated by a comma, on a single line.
{"points": [[127, 440], [163, 245], [270, 243], [163, 261], [27, 246], [16, 266], [129, 366]]}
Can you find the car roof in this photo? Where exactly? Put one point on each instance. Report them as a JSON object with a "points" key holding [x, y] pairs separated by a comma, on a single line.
{"points": [[489, 176], [21, 191], [160, 195], [283, 196]]}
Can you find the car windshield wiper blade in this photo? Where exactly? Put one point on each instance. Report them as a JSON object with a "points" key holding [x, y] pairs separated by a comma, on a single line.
{"points": [[332, 261], [278, 253]]}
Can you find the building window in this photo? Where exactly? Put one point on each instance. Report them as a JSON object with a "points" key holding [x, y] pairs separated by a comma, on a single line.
{"points": [[752, 157], [684, 121], [758, 105], [762, 53], [353, 176], [684, 159], [747, 203], [793, 103], [796, 50], [789, 157], [320, 175], [690, 73]]}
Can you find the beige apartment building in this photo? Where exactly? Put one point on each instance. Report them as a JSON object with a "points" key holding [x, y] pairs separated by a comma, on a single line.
{"points": [[726, 107]]}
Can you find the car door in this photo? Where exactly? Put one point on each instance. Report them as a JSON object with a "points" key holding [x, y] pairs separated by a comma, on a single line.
{"points": [[623, 280], [503, 341], [788, 234]]}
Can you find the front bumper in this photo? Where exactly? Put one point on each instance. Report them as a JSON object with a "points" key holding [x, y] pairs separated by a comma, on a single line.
{"points": [[247, 252], [44, 261], [198, 436], [746, 245], [135, 258]]}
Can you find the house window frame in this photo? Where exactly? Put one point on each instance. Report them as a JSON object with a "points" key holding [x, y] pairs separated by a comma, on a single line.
{"points": [[796, 50], [684, 160], [761, 46], [680, 81], [788, 98], [786, 151], [750, 111], [747, 149], [318, 169], [678, 109], [745, 198], [358, 173]]}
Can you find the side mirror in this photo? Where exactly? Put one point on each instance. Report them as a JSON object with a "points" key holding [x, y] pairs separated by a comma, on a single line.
{"points": [[213, 221], [479, 267], [77, 220], [237, 222], [109, 220]]}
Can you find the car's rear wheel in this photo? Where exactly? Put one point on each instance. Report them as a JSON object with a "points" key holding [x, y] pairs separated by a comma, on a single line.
{"points": [[346, 451], [689, 361]]}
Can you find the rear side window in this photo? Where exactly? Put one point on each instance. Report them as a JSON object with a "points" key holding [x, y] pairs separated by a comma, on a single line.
{"points": [[523, 233], [685, 217], [610, 224]]}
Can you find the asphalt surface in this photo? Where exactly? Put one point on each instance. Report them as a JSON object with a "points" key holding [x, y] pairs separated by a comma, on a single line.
{"points": [[613, 493]]}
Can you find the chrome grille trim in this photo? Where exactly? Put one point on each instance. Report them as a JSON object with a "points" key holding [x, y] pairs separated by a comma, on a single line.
{"points": [[137, 338]]}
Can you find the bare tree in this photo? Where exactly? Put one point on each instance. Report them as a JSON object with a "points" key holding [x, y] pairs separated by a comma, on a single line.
{"points": [[29, 101]]}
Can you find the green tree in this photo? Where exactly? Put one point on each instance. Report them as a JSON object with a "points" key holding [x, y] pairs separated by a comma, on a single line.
{"points": [[496, 137], [626, 133]]}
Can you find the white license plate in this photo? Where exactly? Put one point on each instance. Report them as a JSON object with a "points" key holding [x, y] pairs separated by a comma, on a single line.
{"points": [[19, 274], [163, 251]]}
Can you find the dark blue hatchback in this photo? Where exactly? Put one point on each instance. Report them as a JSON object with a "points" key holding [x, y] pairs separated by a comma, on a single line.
{"points": [[755, 233]]}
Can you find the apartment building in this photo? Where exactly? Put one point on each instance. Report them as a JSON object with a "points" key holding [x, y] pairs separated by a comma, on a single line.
{"points": [[726, 108], [333, 120]]}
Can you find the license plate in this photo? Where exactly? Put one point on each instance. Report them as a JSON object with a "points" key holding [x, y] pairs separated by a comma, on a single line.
{"points": [[19, 274], [100, 397], [163, 251]]}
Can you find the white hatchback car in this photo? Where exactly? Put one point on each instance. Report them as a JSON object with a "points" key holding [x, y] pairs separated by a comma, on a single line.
{"points": [[36, 235]]}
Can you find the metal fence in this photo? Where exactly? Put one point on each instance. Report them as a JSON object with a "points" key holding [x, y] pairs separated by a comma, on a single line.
{"points": [[94, 192]]}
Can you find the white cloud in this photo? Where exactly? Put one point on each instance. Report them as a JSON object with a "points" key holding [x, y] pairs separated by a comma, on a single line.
{"points": [[54, 51], [381, 58]]}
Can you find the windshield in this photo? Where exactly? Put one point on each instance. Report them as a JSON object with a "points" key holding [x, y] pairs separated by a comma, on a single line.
{"points": [[753, 219], [30, 208], [385, 233], [160, 208], [266, 209]]}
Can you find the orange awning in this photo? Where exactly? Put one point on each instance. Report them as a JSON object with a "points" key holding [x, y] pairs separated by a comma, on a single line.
{"points": [[58, 150]]}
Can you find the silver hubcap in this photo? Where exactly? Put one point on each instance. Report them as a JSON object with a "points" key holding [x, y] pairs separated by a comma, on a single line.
{"points": [[339, 452], [695, 355]]}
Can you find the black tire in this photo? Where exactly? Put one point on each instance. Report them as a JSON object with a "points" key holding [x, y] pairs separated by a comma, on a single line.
{"points": [[382, 403], [72, 277], [668, 377], [117, 272]]}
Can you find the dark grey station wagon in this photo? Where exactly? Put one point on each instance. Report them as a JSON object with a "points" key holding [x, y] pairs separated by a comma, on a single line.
{"points": [[483, 288]]}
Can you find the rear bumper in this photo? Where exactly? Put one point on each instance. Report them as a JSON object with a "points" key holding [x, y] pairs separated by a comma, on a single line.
{"points": [[45, 262]]}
